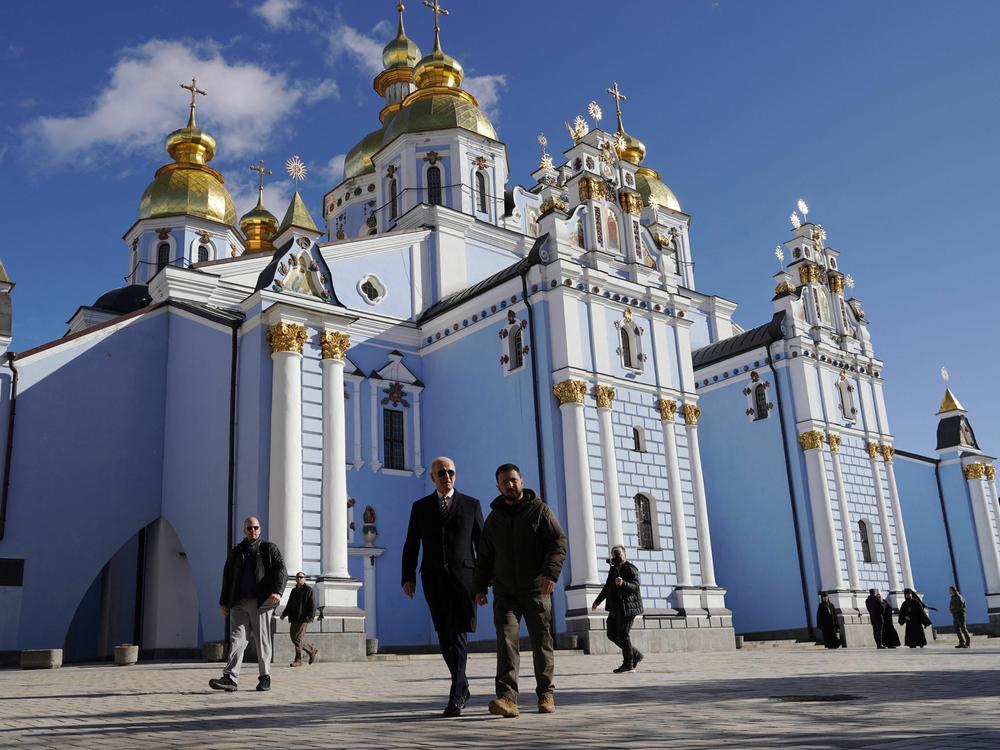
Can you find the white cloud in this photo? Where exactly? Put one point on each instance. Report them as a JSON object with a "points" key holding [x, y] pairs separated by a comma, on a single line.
{"points": [[277, 193], [277, 13], [325, 89], [141, 103], [333, 172], [486, 89], [365, 50]]}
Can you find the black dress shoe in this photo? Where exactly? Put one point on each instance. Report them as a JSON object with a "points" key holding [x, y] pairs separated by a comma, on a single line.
{"points": [[225, 683], [452, 709], [264, 684], [465, 698]]}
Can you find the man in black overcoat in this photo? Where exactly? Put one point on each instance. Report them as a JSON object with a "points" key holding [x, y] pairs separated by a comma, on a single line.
{"points": [[874, 606], [447, 525], [826, 618]]}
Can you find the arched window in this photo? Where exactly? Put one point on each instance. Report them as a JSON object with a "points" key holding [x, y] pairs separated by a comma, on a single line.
{"points": [[614, 241], [516, 353], [866, 541], [580, 240], [846, 391], [202, 253], [760, 408], [162, 255], [434, 186], [626, 348], [644, 521], [393, 204], [481, 192]]}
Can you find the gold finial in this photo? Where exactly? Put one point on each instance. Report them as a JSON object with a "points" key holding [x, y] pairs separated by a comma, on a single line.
{"points": [[619, 98], [296, 168], [438, 11], [193, 88], [261, 171]]}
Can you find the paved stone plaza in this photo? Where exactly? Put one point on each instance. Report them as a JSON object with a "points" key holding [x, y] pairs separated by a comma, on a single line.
{"points": [[936, 698]]}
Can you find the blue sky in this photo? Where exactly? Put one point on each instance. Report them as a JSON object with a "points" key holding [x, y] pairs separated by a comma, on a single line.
{"points": [[882, 115]]}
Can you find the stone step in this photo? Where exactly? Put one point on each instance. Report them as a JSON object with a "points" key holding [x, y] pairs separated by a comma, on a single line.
{"points": [[472, 655], [782, 644]]}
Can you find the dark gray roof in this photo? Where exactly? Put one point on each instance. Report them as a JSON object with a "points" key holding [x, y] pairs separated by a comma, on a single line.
{"points": [[125, 299], [508, 273], [955, 432], [744, 342]]}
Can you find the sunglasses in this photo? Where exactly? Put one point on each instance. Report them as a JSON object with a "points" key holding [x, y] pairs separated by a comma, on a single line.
{"points": [[442, 473], [252, 528]]}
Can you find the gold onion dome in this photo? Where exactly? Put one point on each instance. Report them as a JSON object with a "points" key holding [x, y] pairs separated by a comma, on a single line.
{"points": [[259, 225], [359, 159], [649, 185], [188, 186], [401, 52], [439, 111], [634, 151]]}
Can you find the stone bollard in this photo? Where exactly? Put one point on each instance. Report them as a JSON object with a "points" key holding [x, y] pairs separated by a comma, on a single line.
{"points": [[371, 646], [126, 655], [41, 658], [214, 651]]}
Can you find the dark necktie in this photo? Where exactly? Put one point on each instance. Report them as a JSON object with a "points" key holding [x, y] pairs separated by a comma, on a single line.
{"points": [[443, 502]]}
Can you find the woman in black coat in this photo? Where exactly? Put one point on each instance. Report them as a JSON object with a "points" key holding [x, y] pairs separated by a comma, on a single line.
{"points": [[912, 615], [624, 604], [890, 638], [826, 618]]}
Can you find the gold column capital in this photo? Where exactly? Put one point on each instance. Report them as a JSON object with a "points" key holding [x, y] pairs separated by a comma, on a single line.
{"points": [[974, 471], [991, 471], [334, 344], [833, 440], [286, 337], [809, 273], [604, 394], [691, 414], [888, 452], [811, 440], [668, 409], [836, 282], [873, 450], [570, 392]]}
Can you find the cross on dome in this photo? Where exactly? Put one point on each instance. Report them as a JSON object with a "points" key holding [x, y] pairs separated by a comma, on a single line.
{"points": [[261, 170], [438, 11], [619, 98], [193, 88]]}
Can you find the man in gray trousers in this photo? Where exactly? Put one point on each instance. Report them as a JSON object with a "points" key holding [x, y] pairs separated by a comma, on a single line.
{"points": [[252, 583]]}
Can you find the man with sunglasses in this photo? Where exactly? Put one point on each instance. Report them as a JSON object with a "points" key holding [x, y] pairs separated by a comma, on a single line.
{"points": [[252, 583], [300, 611], [447, 525]]}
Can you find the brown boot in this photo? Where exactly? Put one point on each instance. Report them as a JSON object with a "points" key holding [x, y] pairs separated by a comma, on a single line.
{"points": [[546, 704], [296, 663], [504, 707], [312, 655]]}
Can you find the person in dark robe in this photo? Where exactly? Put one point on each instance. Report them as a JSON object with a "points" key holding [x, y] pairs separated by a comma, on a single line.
{"points": [[826, 618], [890, 638], [874, 605], [912, 615]]}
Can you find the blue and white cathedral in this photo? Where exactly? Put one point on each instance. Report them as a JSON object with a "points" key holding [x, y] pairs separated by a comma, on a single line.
{"points": [[308, 376]]}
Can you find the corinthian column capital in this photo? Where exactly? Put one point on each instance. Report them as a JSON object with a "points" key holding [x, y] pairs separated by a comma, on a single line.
{"points": [[286, 337], [570, 392]]}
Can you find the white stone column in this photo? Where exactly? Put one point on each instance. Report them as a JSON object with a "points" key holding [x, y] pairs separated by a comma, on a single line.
{"points": [[974, 475], [285, 489], [883, 518], [827, 549], [678, 525], [334, 537], [847, 527], [691, 414], [609, 465], [991, 480], [579, 502], [897, 514]]}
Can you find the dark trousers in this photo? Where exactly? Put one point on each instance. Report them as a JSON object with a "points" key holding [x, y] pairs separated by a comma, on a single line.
{"points": [[297, 632], [964, 637], [877, 631], [618, 633], [455, 650], [536, 610]]}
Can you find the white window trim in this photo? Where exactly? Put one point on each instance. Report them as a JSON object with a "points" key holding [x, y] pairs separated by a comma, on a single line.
{"points": [[414, 467], [198, 242], [427, 187], [505, 341], [378, 283], [487, 182], [634, 333], [642, 439], [654, 525]]}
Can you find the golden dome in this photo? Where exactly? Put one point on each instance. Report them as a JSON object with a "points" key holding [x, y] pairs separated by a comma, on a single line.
{"points": [[438, 69], [188, 186], [401, 52], [647, 182], [259, 225], [439, 109], [634, 151], [359, 159]]}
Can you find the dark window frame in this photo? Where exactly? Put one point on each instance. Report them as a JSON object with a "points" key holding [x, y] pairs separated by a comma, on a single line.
{"points": [[434, 186], [644, 521], [760, 409]]}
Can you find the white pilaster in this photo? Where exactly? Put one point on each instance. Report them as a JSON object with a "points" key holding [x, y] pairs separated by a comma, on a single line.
{"points": [[847, 527], [418, 461], [334, 536], [897, 515], [988, 553], [883, 516], [374, 464], [668, 412], [285, 488], [691, 414], [609, 465], [831, 578]]}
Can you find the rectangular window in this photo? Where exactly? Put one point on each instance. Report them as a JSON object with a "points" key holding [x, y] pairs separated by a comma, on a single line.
{"points": [[392, 436]]}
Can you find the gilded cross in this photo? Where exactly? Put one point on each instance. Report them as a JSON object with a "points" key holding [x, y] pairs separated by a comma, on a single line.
{"points": [[619, 98], [438, 11], [261, 171], [193, 88]]}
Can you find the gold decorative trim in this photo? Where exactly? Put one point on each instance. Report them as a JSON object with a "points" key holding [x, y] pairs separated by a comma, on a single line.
{"points": [[783, 288], [334, 344], [286, 337], [836, 283], [691, 414], [991, 471], [811, 440], [668, 409], [549, 203], [809, 273], [873, 450], [833, 440], [570, 391], [974, 471], [604, 394], [888, 452], [631, 203]]}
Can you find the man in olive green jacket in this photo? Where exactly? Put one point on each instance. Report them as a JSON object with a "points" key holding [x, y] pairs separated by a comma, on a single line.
{"points": [[521, 553]]}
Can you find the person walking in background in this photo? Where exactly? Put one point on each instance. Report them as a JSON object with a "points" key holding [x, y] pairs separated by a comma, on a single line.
{"points": [[521, 555], [300, 611], [448, 526], [252, 584], [826, 618], [913, 616], [874, 606], [957, 607], [624, 598], [890, 638]]}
